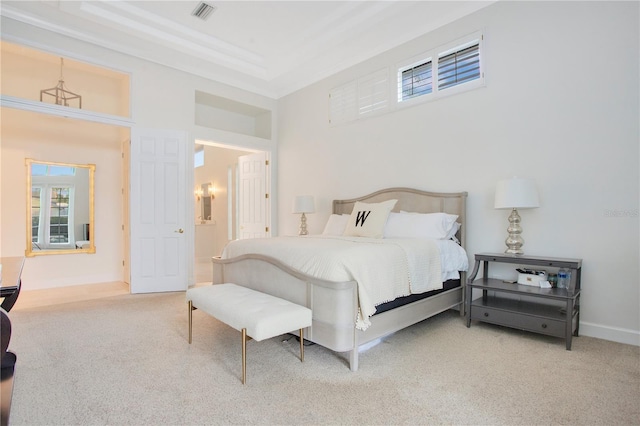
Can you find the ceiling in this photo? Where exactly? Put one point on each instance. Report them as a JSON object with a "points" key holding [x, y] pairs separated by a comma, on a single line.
{"points": [[268, 47]]}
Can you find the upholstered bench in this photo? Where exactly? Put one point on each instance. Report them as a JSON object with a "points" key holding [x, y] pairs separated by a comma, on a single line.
{"points": [[257, 315]]}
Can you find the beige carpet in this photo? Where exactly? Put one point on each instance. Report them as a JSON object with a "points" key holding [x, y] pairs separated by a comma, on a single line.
{"points": [[126, 360]]}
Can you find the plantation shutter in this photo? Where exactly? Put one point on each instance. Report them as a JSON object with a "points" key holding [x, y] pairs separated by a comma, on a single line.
{"points": [[373, 92], [417, 81], [342, 103], [459, 67]]}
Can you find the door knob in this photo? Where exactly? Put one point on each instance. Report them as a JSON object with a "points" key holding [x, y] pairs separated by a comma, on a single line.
{"points": [[180, 231]]}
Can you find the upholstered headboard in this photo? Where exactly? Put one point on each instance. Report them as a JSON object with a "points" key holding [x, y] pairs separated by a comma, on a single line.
{"points": [[415, 200]]}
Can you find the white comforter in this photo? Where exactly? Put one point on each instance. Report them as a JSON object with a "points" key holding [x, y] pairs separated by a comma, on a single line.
{"points": [[384, 269]]}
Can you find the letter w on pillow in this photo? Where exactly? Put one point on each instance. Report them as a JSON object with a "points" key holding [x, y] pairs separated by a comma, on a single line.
{"points": [[362, 217]]}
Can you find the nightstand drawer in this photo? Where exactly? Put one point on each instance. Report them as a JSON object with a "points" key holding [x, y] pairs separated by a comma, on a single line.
{"points": [[518, 320]]}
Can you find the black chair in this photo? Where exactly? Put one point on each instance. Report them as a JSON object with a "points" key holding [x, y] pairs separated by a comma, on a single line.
{"points": [[7, 358], [10, 295], [8, 361]]}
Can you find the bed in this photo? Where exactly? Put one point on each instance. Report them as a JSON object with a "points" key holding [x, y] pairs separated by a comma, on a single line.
{"points": [[337, 304]]}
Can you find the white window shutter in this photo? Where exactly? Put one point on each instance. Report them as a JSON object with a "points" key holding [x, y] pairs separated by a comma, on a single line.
{"points": [[459, 67], [373, 92], [415, 81], [342, 103]]}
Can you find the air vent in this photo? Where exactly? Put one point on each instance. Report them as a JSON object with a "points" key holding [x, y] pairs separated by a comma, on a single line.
{"points": [[203, 11]]}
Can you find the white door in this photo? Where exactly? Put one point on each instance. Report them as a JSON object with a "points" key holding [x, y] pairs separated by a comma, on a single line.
{"points": [[158, 210], [126, 201], [253, 198]]}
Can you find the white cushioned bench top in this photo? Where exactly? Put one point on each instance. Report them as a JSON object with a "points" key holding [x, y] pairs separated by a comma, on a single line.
{"points": [[264, 316]]}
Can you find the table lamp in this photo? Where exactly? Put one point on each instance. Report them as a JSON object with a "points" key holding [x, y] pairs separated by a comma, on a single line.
{"points": [[303, 204], [515, 193]]}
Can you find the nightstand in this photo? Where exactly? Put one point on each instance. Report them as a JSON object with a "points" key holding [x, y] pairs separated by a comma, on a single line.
{"points": [[550, 311]]}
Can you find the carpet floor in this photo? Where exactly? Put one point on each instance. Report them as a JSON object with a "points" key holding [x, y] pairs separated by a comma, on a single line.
{"points": [[125, 360]]}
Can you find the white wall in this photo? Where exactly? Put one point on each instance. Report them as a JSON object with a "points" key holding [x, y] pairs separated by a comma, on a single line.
{"points": [[560, 105]]}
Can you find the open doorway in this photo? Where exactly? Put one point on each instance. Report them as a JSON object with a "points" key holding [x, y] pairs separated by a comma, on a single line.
{"points": [[217, 189]]}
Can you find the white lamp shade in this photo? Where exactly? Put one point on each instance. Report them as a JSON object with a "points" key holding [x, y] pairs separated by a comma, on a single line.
{"points": [[516, 193], [303, 204]]}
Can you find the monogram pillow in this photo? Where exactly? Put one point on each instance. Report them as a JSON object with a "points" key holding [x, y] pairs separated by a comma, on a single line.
{"points": [[369, 219]]}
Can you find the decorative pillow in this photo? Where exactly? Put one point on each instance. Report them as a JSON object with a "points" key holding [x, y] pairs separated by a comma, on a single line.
{"points": [[336, 224], [368, 219], [439, 226]]}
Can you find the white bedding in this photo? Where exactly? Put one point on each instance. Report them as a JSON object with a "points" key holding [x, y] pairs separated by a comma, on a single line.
{"points": [[384, 269]]}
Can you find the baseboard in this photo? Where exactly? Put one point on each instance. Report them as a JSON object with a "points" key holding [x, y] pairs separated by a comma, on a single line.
{"points": [[30, 282], [53, 296], [614, 334]]}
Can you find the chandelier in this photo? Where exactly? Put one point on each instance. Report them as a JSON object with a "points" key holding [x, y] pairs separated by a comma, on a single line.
{"points": [[61, 95]]}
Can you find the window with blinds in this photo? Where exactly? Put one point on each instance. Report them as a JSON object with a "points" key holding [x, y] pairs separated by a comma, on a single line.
{"points": [[458, 67], [429, 75], [451, 68], [416, 81]]}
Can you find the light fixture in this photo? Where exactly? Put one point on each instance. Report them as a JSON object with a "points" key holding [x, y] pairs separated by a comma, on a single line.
{"points": [[61, 95], [210, 191], [303, 204], [198, 193], [515, 193]]}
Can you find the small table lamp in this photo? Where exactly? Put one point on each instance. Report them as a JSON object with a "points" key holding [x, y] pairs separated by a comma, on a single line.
{"points": [[303, 204], [515, 193]]}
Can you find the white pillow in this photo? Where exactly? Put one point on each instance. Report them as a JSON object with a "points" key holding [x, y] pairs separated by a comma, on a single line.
{"points": [[449, 221], [369, 219], [438, 226], [336, 224], [452, 233]]}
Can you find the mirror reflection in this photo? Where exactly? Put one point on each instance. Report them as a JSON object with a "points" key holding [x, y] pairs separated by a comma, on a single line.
{"points": [[204, 195], [207, 190], [60, 202]]}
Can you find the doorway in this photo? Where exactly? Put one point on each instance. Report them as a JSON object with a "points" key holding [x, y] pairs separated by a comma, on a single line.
{"points": [[216, 201]]}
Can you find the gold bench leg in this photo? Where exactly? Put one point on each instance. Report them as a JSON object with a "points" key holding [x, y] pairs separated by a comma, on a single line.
{"points": [[244, 355], [302, 344], [190, 306]]}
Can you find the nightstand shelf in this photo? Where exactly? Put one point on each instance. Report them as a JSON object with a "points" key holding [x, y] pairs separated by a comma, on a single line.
{"points": [[539, 310]]}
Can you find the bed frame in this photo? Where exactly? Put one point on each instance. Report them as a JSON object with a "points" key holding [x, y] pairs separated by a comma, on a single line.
{"points": [[335, 304]]}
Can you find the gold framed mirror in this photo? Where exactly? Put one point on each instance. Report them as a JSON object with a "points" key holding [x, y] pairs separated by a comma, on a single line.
{"points": [[60, 203]]}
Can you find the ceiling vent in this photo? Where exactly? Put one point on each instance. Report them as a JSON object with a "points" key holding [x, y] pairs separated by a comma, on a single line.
{"points": [[203, 11]]}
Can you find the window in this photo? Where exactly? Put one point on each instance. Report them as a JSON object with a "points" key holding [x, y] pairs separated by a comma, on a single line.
{"points": [[51, 216], [416, 81], [459, 66], [35, 213], [342, 103], [448, 69], [59, 215], [198, 158], [433, 73], [51, 170], [373, 92], [359, 98]]}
